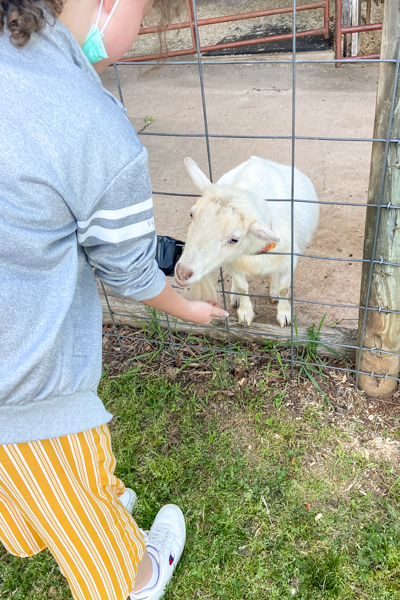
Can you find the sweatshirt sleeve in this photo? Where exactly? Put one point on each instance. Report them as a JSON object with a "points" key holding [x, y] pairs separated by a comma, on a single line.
{"points": [[118, 234]]}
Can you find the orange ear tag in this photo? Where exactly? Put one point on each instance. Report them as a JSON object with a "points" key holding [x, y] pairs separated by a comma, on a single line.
{"points": [[268, 247]]}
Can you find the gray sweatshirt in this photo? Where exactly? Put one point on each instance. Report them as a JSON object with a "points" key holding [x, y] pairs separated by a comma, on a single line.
{"points": [[75, 195]]}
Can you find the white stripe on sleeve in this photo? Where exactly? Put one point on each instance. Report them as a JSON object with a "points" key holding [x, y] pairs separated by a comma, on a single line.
{"points": [[118, 235], [113, 215]]}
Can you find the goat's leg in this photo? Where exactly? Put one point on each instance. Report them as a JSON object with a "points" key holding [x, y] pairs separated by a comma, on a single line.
{"points": [[273, 290], [245, 310], [283, 288], [234, 299]]}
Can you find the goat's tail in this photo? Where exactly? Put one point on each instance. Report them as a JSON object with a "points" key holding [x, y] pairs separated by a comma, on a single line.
{"points": [[204, 289]]}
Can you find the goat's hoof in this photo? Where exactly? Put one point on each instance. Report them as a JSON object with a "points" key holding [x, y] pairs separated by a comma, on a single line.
{"points": [[284, 318], [273, 301], [235, 301], [245, 317]]}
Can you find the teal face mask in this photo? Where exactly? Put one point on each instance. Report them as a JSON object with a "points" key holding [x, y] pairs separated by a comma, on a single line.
{"points": [[93, 47]]}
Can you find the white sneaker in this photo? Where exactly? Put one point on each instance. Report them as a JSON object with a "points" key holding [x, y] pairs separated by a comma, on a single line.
{"points": [[165, 540], [128, 499]]}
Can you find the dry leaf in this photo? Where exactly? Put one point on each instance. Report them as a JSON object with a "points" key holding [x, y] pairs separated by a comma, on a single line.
{"points": [[240, 373], [171, 373]]}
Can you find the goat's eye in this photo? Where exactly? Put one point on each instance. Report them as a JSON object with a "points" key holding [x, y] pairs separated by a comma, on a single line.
{"points": [[233, 240], [191, 214]]}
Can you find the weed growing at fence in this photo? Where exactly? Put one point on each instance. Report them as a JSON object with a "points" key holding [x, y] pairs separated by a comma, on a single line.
{"points": [[308, 354], [147, 122], [216, 445]]}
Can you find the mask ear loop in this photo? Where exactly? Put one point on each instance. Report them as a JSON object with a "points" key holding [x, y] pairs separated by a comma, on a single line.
{"points": [[109, 16], [98, 13]]}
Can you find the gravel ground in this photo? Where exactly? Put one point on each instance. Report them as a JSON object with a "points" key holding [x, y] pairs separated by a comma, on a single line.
{"points": [[370, 42]]}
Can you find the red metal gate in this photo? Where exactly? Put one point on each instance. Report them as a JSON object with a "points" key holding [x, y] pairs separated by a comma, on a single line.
{"points": [[226, 19], [339, 31]]}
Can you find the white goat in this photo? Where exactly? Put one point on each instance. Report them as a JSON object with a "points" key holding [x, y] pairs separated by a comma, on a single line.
{"points": [[233, 220]]}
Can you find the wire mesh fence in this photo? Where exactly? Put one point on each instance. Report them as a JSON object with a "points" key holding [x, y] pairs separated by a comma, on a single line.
{"points": [[345, 353]]}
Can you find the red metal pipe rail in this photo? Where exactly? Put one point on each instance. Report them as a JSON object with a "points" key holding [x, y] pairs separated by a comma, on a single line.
{"points": [[359, 28], [239, 17], [339, 31]]}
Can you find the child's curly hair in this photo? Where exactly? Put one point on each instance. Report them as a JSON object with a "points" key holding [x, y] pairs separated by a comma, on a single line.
{"points": [[24, 17]]}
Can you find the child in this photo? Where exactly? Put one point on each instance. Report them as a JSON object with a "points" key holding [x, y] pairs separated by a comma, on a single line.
{"points": [[74, 194]]}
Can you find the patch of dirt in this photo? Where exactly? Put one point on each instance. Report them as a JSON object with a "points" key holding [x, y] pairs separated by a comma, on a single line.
{"points": [[377, 448], [370, 41], [373, 424]]}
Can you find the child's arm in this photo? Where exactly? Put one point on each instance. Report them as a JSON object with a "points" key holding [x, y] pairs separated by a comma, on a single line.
{"points": [[117, 234], [176, 305]]}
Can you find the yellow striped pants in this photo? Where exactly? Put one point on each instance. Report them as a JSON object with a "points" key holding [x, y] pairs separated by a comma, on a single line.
{"points": [[62, 494]]}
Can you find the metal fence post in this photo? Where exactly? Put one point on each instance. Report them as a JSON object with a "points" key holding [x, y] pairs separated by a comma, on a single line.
{"points": [[338, 31], [118, 83], [171, 337], [113, 320], [193, 16], [380, 284], [292, 190]]}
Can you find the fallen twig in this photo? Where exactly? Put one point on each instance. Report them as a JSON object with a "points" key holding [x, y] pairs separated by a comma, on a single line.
{"points": [[356, 589], [350, 486], [266, 506]]}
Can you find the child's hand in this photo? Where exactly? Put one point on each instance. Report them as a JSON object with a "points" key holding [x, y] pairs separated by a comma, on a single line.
{"points": [[176, 305], [203, 313]]}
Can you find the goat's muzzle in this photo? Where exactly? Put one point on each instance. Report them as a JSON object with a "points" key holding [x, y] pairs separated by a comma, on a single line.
{"points": [[182, 275]]}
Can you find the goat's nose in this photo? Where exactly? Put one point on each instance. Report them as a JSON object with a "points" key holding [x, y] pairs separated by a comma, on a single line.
{"points": [[183, 273]]}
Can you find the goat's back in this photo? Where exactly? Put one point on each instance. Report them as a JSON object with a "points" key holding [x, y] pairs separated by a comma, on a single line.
{"points": [[267, 181]]}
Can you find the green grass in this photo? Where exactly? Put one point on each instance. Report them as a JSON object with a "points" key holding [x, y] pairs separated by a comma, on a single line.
{"points": [[217, 456], [306, 353]]}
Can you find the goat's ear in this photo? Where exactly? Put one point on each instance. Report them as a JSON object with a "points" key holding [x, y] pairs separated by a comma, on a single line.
{"points": [[260, 230], [200, 180]]}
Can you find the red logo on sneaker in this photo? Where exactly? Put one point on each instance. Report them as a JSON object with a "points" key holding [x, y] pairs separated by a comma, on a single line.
{"points": [[171, 559]]}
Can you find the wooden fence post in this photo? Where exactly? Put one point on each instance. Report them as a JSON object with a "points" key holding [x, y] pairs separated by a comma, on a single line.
{"points": [[351, 13], [347, 10], [355, 20], [382, 330]]}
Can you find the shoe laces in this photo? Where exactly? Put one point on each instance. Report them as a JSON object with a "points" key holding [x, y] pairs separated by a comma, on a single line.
{"points": [[160, 537]]}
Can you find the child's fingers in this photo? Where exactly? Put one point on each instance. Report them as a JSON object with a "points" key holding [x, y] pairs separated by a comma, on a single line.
{"points": [[220, 312], [205, 312]]}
